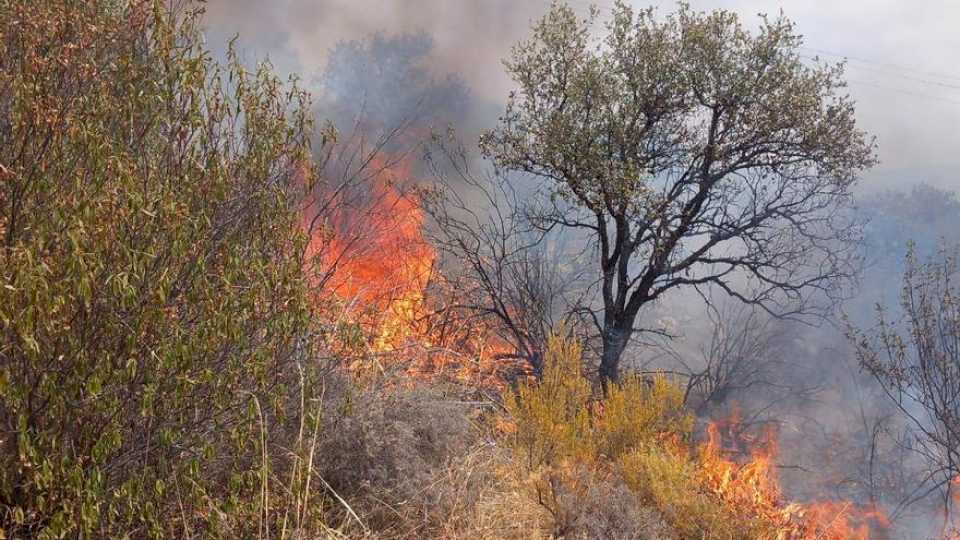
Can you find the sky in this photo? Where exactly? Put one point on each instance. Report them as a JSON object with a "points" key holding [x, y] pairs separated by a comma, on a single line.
{"points": [[902, 67]]}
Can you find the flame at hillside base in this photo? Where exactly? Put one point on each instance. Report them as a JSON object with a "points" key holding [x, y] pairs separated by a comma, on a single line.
{"points": [[752, 486]]}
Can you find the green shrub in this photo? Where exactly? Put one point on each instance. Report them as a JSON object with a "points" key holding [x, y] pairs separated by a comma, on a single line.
{"points": [[152, 307], [638, 412], [551, 416], [556, 418]]}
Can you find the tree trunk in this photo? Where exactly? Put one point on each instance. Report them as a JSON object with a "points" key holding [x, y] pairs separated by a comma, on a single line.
{"points": [[614, 343]]}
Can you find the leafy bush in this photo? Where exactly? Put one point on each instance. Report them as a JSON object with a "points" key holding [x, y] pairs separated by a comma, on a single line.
{"points": [[557, 419], [637, 412], [551, 417], [152, 307]]}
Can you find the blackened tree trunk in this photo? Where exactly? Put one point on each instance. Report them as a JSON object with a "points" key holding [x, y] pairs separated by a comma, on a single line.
{"points": [[615, 341]]}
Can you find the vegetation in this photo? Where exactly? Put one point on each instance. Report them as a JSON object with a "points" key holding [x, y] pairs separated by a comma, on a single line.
{"points": [[154, 317], [639, 435], [916, 360], [175, 363], [692, 153]]}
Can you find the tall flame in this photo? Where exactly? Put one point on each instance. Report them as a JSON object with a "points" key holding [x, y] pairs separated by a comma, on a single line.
{"points": [[373, 252], [369, 250]]}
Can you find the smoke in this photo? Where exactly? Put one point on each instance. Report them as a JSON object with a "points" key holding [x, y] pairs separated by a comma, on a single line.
{"points": [[469, 38], [384, 81], [840, 434], [902, 70], [433, 63]]}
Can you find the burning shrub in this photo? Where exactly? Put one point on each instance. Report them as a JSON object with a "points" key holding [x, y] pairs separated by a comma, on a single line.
{"points": [[567, 446], [668, 480]]}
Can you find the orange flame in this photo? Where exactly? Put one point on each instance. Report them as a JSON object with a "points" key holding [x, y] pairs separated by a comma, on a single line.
{"points": [[370, 251], [752, 486], [953, 522], [373, 253]]}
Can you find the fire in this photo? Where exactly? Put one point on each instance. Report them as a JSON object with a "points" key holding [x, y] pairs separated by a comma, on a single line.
{"points": [[751, 485], [953, 521], [372, 253], [369, 250]]}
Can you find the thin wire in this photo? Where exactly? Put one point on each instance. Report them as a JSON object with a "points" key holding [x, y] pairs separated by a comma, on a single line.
{"points": [[901, 76], [886, 65], [902, 91], [881, 67]]}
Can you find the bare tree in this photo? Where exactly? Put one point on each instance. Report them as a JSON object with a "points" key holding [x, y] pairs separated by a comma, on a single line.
{"points": [[744, 354], [916, 360], [692, 152], [503, 270]]}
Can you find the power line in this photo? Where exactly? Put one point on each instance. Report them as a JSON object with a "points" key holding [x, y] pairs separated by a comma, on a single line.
{"points": [[886, 65], [887, 68], [903, 91], [891, 73]]}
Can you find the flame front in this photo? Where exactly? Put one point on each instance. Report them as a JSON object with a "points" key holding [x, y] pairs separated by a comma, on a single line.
{"points": [[373, 253], [752, 487], [369, 251]]}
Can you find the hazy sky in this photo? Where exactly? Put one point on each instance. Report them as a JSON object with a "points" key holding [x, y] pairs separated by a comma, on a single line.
{"points": [[903, 68]]}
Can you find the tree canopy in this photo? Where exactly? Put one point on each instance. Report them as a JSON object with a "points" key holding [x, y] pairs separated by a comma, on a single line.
{"points": [[692, 151]]}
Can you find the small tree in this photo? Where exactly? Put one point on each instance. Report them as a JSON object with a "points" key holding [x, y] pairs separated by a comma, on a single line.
{"points": [[692, 151], [916, 360]]}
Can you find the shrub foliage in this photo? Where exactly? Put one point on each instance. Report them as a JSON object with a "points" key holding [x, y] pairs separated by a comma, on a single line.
{"points": [[632, 448], [151, 301]]}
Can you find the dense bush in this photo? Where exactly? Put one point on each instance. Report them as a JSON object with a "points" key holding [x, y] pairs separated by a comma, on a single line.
{"points": [[557, 418], [567, 445], [152, 309], [668, 480]]}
